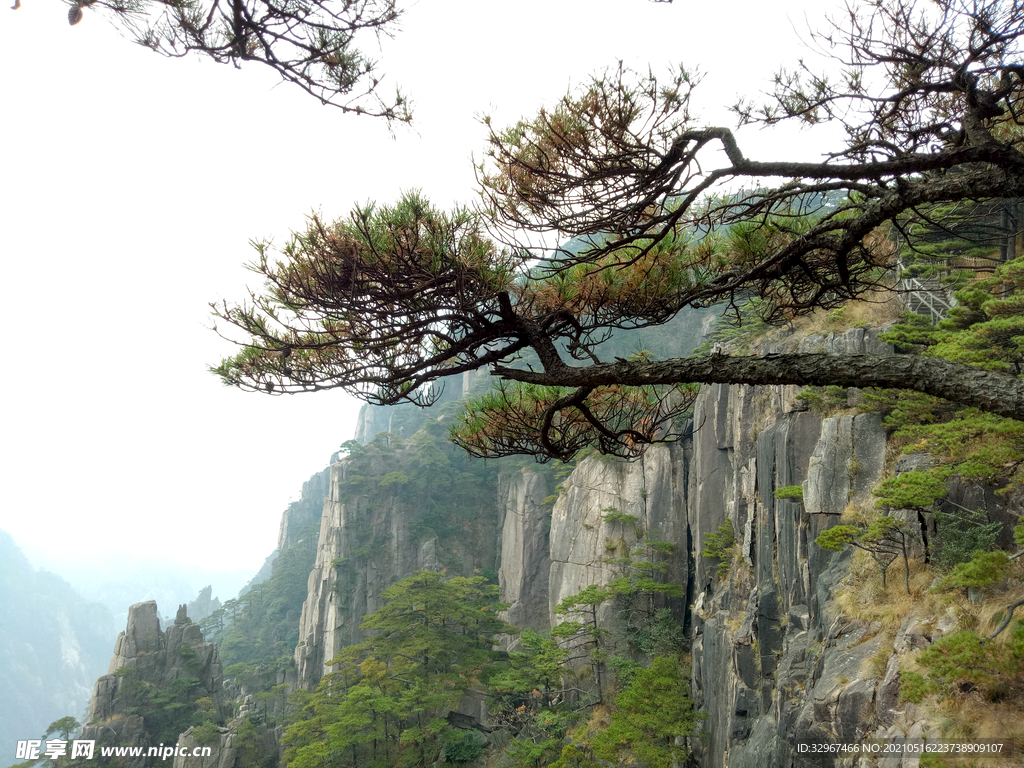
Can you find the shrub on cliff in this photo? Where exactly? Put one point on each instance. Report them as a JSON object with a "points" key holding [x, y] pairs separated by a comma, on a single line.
{"points": [[965, 663], [387, 697], [648, 717]]}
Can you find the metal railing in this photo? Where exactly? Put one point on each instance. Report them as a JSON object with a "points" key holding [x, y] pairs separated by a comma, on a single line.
{"points": [[925, 296]]}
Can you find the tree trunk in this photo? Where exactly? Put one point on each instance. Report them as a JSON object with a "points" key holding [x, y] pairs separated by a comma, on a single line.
{"points": [[991, 391]]}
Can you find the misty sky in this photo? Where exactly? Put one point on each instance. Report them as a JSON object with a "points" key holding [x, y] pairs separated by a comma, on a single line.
{"points": [[130, 186]]}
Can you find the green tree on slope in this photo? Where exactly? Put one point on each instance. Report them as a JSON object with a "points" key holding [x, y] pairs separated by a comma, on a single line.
{"points": [[387, 698], [649, 716]]}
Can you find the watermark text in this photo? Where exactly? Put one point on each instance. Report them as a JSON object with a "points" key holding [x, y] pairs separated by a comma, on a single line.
{"points": [[37, 749]]}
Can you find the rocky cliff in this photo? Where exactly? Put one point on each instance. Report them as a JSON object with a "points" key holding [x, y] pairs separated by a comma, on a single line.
{"points": [[525, 546], [391, 509], [158, 682], [766, 642], [303, 516], [204, 605], [775, 660], [772, 658]]}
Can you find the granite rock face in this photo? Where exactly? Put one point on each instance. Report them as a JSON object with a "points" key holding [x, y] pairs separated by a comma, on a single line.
{"points": [[773, 661], [156, 658], [223, 753], [525, 557], [304, 515], [204, 604], [582, 541], [367, 542]]}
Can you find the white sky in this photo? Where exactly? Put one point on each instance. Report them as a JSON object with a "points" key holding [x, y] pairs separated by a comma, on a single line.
{"points": [[130, 186]]}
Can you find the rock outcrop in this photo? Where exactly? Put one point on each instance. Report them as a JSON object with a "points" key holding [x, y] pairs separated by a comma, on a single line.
{"points": [[651, 490], [302, 517], [369, 539], [772, 662], [148, 660], [223, 752], [204, 604], [525, 557]]}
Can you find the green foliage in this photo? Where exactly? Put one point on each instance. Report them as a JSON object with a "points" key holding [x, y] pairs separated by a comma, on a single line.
{"points": [[461, 746], [63, 727], [824, 400], [585, 600], [880, 529], [903, 408], [719, 546], [964, 663], [613, 515], [975, 445], [794, 492], [523, 691], [582, 636], [983, 570], [448, 487], [916, 489], [536, 666], [524, 752], [649, 715], [837, 537], [625, 669], [719, 543], [391, 478], [986, 330], [642, 591], [259, 627], [206, 733], [885, 539], [967, 230], [432, 637], [575, 756], [240, 672], [914, 687], [659, 632], [255, 747], [166, 710], [961, 657], [961, 535]]}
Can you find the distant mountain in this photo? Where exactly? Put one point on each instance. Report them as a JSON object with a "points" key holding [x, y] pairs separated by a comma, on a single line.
{"points": [[53, 646], [121, 580]]}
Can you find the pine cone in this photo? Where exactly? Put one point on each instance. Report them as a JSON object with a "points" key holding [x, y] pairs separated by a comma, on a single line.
{"points": [[74, 14]]}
